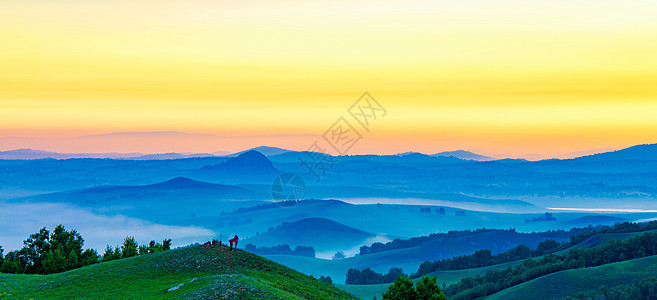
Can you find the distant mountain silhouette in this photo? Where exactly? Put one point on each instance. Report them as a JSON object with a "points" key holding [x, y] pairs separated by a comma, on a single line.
{"points": [[265, 150], [40, 154], [26, 154], [172, 156], [167, 202], [408, 157], [320, 233], [249, 167], [639, 152], [192, 189], [462, 154]]}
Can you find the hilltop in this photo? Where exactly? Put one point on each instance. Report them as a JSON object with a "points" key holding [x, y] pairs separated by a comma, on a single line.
{"points": [[312, 231], [189, 273], [569, 282], [248, 167]]}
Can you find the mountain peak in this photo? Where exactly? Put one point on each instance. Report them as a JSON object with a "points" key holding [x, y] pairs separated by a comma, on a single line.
{"points": [[265, 150], [462, 154], [249, 167]]}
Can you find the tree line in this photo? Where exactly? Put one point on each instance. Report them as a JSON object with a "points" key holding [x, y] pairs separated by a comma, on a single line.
{"points": [[496, 280], [130, 248], [367, 276], [484, 257], [421, 240], [285, 249], [47, 252], [424, 289]]}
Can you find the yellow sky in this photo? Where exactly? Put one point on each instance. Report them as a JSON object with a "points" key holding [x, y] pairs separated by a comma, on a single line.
{"points": [[511, 77]]}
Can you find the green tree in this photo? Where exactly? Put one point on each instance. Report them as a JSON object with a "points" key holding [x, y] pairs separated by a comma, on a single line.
{"points": [[68, 243], [130, 247], [166, 245], [89, 257], [401, 289], [72, 261], [54, 262], [428, 289], [108, 255], [143, 249], [13, 264], [34, 249]]}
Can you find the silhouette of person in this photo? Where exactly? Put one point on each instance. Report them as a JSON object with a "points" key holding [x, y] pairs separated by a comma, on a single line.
{"points": [[235, 239]]}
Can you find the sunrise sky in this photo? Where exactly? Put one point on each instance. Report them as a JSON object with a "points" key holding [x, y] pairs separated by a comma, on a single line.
{"points": [[504, 77]]}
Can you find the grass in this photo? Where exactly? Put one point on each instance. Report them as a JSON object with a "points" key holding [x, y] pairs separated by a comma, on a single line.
{"points": [[454, 276], [569, 282], [190, 273], [368, 291]]}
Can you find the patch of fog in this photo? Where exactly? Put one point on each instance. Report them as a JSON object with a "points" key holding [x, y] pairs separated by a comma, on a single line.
{"points": [[473, 206], [19, 220], [353, 251], [603, 210], [645, 220]]}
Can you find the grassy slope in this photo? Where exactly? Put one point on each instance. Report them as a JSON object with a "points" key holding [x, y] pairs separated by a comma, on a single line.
{"points": [[450, 277], [564, 283], [409, 259], [203, 273]]}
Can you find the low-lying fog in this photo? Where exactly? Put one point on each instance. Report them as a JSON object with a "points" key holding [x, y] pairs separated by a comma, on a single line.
{"points": [[18, 221]]}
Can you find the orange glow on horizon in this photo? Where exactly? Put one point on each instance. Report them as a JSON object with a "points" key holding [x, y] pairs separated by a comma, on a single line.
{"points": [[507, 78]]}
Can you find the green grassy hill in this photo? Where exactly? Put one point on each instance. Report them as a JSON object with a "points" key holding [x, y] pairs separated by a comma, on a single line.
{"points": [[190, 273], [564, 283], [367, 291], [453, 276]]}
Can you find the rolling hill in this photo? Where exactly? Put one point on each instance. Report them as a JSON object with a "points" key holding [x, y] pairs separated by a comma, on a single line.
{"points": [[409, 259], [189, 273], [248, 167], [313, 232], [564, 283], [634, 153], [265, 150], [166, 202], [462, 154]]}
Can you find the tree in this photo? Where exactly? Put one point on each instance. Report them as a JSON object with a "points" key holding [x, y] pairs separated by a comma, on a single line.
{"points": [[393, 274], [130, 247], [401, 289], [326, 279], [339, 255], [54, 262], [108, 255], [428, 289], [34, 249], [166, 245], [89, 257], [13, 263], [73, 260], [1, 257], [143, 249], [547, 246]]}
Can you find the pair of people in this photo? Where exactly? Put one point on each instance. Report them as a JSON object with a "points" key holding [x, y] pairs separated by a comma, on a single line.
{"points": [[233, 240]]}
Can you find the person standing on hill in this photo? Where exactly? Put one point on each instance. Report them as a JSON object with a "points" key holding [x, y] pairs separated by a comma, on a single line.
{"points": [[236, 239], [233, 240]]}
